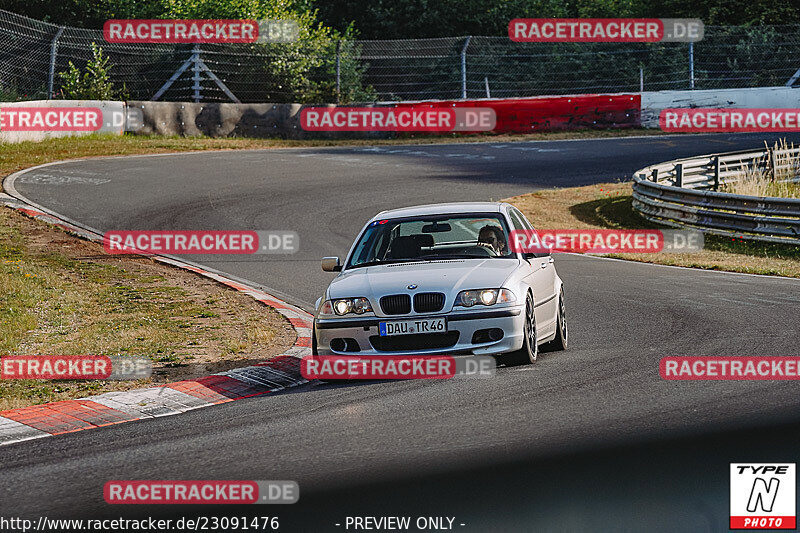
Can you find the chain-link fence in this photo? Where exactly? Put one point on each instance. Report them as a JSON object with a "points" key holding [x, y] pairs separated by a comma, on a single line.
{"points": [[32, 54]]}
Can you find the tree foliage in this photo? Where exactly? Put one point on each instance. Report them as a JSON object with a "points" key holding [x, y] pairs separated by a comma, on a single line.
{"points": [[93, 83], [407, 19]]}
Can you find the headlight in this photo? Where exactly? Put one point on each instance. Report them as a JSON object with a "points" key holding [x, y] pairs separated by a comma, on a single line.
{"points": [[484, 297], [344, 306]]}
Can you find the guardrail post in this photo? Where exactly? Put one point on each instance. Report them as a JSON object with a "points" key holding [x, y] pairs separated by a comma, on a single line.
{"points": [[716, 173], [773, 163], [655, 175], [679, 175]]}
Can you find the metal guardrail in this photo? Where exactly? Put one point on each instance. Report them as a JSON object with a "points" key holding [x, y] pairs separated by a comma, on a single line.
{"points": [[685, 193]]}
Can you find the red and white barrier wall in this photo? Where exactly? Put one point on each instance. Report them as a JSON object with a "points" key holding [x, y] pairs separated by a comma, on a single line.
{"points": [[553, 113], [622, 110], [514, 115]]}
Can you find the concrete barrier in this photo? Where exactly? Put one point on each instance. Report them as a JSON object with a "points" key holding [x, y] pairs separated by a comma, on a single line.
{"points": [[232, 120], [762, 97], [113, 119]]}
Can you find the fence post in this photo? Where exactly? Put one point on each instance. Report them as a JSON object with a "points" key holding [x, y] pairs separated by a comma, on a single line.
{"points": [[773, 163], [464, 68], [655, 175], [196, 74], [338, 70], [641, 79], [793, 78], [716, 173], [691, 64], [198, 66], [53, 50], [679, 175]]}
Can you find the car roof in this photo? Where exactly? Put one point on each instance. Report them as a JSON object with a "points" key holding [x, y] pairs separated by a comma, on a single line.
{"points": [[443, 209]]}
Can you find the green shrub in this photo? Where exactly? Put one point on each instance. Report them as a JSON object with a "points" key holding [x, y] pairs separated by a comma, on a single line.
{"points": [[92, 84]]}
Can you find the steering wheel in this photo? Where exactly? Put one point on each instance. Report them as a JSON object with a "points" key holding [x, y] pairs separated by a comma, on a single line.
{"points": [[490, 251]]}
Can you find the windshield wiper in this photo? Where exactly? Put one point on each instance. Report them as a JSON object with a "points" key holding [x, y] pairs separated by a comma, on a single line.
{"points": [[452, 256], [376, 262], [423, 258]]}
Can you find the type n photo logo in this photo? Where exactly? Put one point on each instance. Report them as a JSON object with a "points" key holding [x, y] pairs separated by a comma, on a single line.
{"points": [[763, 496]]}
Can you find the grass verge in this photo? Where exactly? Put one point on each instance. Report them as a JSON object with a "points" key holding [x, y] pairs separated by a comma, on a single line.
{"points": [[61, 295], [608, 206]]}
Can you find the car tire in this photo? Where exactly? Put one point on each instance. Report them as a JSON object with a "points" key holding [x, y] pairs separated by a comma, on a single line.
{"points": [[562, 331], [315, 353], [314, 339], [314, 350], [530, 347]]}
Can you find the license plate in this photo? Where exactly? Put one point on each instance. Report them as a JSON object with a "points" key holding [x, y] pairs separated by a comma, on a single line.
{"points": [[410, 327]]}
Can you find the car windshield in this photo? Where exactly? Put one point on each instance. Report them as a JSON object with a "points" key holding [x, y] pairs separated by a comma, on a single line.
{"points": [[428, 238]]}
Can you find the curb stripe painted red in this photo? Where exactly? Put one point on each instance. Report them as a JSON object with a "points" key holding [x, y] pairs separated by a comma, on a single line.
{"points": [[65, 417], [111, 408]]}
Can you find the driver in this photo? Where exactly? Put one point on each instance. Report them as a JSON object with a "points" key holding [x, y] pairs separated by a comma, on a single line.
{"points": [[493, 237]]}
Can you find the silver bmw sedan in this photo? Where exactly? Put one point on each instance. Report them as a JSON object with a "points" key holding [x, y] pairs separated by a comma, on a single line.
{"points": [[442, 279]]}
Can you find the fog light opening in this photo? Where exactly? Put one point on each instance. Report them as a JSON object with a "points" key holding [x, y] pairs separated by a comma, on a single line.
{"points": [[345, 345], [487, 335], [495, 334], [338, 345]]}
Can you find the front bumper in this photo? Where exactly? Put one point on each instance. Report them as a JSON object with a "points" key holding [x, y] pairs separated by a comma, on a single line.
{"points": [[365, 330]]}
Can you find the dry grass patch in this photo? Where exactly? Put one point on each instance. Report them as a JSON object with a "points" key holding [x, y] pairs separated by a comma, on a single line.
{"points": [[608, 206], [759, 180], [60, 295]]}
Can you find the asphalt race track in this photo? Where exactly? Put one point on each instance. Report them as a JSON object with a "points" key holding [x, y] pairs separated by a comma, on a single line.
{"points": [[588, 439]]}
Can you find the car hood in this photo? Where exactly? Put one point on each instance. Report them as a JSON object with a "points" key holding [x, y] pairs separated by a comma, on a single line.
{"points": [[447, 276]]}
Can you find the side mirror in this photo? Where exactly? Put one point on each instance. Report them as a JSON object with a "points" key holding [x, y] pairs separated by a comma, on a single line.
{"points": [[331, 264], [535, 255]]}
